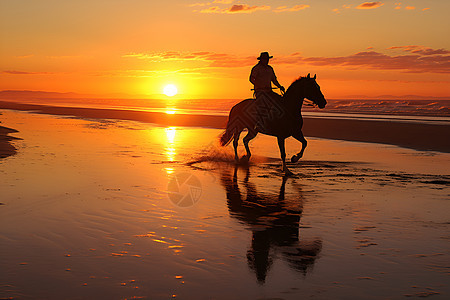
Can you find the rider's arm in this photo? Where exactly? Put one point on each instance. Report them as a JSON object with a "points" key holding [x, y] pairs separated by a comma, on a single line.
{"points": [[277, 84], [275, 81]]}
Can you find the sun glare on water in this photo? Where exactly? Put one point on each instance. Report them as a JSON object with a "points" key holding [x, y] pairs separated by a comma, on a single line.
{"points": [[170, 90]]}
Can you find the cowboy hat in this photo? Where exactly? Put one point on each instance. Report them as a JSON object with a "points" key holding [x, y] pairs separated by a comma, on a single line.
{"points": [[264, 55]]}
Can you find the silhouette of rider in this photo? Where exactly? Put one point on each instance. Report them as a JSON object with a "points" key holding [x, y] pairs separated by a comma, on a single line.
{"points": [[262, 76]]}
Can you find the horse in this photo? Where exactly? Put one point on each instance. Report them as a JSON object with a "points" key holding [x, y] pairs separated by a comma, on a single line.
{"points": [[284, 119]]}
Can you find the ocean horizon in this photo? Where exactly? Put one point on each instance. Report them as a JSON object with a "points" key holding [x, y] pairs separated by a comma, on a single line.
{"points": [[370, 108]]}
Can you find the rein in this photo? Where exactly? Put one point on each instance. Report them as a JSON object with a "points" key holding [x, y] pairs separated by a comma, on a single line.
{"points": [[306, 102]]}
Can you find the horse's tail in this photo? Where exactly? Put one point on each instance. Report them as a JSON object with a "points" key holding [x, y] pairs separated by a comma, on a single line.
{"points": [[227, 135], [238, 119]]}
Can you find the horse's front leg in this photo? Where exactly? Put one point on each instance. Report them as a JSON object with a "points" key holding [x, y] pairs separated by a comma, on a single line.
{"points": [[283, 156], [299, 137]]}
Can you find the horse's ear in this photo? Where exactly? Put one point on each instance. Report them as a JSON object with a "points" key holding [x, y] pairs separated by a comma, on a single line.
{"points": [[315, 76], [309, 76]]}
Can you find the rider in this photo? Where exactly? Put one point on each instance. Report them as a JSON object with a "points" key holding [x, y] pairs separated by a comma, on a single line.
{"points": [[262, 76]]}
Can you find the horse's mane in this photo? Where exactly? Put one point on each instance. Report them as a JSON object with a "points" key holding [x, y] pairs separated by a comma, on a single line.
{"points": [[295, 82], [299, 79]]}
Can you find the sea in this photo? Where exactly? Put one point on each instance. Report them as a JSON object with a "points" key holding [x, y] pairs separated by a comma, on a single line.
{"points": [[428, 111]]}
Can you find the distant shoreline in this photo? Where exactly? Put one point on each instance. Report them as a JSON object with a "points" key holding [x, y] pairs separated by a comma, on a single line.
{"points": [[427, 137]]}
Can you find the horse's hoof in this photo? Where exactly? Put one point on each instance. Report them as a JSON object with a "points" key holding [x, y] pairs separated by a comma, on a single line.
{"points": [[244, 159], [295, 158]]}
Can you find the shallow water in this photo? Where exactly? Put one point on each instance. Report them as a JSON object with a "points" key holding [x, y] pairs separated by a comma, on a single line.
{"points": [[118, 209], [418, 110]]}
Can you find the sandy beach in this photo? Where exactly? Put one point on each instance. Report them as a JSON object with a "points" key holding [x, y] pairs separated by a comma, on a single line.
{"points": [[99, 207], [121, 177]]}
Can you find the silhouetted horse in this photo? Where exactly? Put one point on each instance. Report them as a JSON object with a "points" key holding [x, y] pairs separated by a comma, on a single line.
{"points": [[274, 222], [283, 118]]}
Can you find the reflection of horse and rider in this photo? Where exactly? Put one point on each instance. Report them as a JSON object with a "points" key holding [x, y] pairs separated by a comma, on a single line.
{"points": [[270, 113], [274, 221]]}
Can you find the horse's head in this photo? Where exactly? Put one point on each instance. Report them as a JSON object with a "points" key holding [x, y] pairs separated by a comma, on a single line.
{"points": [[311, 90]]}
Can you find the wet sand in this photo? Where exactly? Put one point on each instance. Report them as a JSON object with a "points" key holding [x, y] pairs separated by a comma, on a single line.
{"points": [[111, 209], [433, 137]]}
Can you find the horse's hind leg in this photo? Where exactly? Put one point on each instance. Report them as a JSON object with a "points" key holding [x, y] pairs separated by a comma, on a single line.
{"points": [[299, 136], [250, 135], [235, 145]]}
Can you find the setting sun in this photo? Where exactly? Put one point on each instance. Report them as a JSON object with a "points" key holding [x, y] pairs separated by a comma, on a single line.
{"points": [[170, 90]]}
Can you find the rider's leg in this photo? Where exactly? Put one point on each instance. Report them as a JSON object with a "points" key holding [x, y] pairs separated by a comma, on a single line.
{"points": [[262, 109]]}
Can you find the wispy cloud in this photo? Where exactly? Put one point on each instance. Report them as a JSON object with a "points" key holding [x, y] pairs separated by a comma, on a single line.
{"points": [[212, 2], [24, 56], [237, 8], [422, 50], [15, 72], [212, 59], [339, 10], [234, 9], [375, 4], [408, 7], [370, 5], [419, 59], [293, 8], [214, 8]]}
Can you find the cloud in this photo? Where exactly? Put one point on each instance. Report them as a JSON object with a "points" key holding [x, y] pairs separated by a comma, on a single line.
{"points": [[14, 72], [200, 4], [399, 6], [24, 56], [244, 8], [211, 59], [293, 8], [345, 6], [370, 5], [418, 59], [420, 50], [417, 62], [234, 9], [210, 3]]}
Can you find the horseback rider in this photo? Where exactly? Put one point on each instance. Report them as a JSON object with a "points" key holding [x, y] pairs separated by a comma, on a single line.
{"points": [[262, 76]]}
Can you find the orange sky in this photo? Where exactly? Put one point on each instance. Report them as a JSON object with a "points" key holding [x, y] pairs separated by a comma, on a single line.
{"points": [[133, 48]]}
